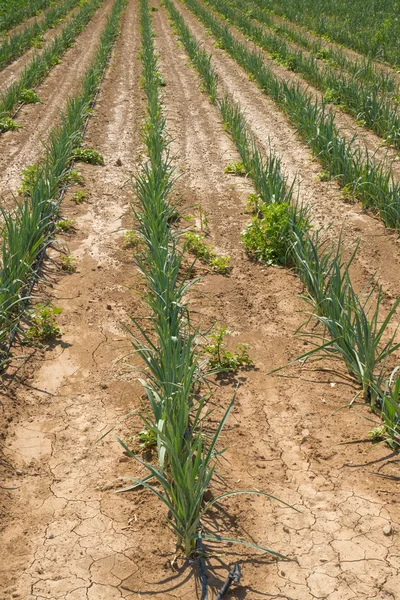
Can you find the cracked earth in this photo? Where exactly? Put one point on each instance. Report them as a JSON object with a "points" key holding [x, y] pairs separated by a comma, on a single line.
{"points": [[65, 533]]}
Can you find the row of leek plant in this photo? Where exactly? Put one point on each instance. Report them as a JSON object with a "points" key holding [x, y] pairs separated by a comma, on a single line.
{"points": [[39, 67], [362, 68], [17, 11], [19, 42], [363, 101], [351, 329], [369, 27], [174, 412], [27, 230], [357, 173]]}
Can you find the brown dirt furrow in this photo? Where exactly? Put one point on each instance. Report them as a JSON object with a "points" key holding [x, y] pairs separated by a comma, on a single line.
{"points": [[20, 148], [64, 533], [11, 73], [280, 437], [379, 250]]}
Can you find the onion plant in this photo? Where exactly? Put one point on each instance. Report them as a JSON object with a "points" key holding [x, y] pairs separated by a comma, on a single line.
{"points": [[364, 69], [369, 28], [364, 101], [16, 44]]}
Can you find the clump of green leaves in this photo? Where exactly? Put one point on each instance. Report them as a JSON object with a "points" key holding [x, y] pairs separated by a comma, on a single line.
{"points": [[37, 41], [74, 177], [44, 326], [68, 263], [221, 358], [206, 254], [88, 155], [29, 97], [29, 177], [131, 239], [268, 236], [8, 124], [65, 225], [147, 438], [79, 196], [236, 168]]}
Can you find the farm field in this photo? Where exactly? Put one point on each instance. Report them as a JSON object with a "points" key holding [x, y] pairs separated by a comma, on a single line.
{"points": [[200, 280]]}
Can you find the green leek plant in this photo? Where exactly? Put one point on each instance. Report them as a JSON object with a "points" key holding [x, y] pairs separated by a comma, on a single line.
{"points": [[363, 101], [40, 65], [27, 230], [16, 44], [361, 176], [175, 413], [14, 12], [280, 233], [363, 69]]}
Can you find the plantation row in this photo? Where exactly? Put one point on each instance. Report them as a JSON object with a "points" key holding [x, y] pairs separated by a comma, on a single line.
{"points": [[363, 68], [16, 44], [14, 12], [359, 175], [175, 414], [363, 101], [281, 233], [369, 27], [22, 91], [29, 228]]}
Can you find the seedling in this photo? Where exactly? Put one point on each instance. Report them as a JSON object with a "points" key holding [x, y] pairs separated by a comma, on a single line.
{"points": [[29, 97], [37, 42], [79, 196], [68, 263], [8, 124], [88, 155], [74, 177], [236, 168], [202, 216], [147, 438], [29, 177], [267, 238], [131, 239], [65, 225], [221, 359], [206, 254], [221, 265], [44, 326]]}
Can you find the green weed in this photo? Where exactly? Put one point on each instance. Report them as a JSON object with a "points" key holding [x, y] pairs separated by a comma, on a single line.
{"points": [[88, 155], [221, 358], [8, 124], [79, 196], [65, 225], [44, 326], [236, 168]]}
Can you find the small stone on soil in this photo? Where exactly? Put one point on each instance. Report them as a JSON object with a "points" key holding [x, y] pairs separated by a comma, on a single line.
{"points": [[388, 529]]}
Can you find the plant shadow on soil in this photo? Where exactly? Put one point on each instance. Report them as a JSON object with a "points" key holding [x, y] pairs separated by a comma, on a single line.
{"points": [[217, 569]]}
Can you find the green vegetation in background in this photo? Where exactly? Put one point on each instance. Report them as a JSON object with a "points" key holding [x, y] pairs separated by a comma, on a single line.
{"points": [[15, 45]]}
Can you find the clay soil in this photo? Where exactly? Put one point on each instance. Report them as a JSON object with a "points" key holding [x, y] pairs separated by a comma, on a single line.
{"points": [[65, 533]]}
